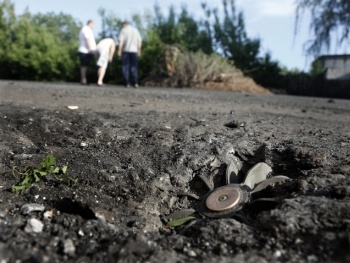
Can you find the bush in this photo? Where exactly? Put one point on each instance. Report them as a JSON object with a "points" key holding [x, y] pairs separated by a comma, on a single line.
{"points": [[193, 68], [183, 68]]}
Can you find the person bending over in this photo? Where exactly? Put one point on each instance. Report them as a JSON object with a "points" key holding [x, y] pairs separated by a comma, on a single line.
{"points": [[104, 54]]}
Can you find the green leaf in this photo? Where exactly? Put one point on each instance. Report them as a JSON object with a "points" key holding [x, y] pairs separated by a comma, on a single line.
{"points": [[48, 162], [27, 180], [39, 172], [64, 169], [36, 177], [18, 188], [180, 221]]}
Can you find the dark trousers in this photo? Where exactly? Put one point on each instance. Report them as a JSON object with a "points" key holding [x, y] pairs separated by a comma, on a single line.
{"points": [[129, 65]]}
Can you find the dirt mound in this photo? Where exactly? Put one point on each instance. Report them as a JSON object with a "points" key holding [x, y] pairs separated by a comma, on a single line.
{"points": [[242, 85], [239, 84]]}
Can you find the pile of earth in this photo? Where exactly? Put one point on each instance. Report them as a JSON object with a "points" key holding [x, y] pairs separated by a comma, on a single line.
{"points": [[242, 84], [132, 150], [237, 84]]}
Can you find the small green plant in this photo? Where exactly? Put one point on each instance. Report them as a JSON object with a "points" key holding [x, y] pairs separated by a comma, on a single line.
{"points": [[33, 175], [180, 221]]}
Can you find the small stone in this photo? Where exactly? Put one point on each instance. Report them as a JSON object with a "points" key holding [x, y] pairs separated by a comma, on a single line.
{"points": [[192, 254], [68, 247], [34, 226], [28, 208], [48, 214], [303, 186], [73, 107], [277, 254], [312, 258], [3, 212], [215, 163], [83, 144]]}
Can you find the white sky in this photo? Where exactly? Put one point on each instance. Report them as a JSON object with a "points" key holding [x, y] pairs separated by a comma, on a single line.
{"points": [[270, 20]]}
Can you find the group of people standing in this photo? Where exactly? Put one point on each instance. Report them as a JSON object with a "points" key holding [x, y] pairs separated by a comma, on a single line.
{"points": [[129, 49]]}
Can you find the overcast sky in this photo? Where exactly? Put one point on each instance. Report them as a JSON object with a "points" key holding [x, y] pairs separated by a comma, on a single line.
{"points": [[270, 20]]}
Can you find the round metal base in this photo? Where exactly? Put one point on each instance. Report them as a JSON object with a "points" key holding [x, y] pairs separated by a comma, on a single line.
{"points": [[223, 201], [223, 198]]}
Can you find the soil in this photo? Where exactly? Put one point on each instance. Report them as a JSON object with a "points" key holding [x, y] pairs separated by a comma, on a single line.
{"points": [[133, 151]]}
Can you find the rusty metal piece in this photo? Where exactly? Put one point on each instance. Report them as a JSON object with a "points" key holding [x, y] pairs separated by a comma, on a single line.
{"points": [[223, 198]]}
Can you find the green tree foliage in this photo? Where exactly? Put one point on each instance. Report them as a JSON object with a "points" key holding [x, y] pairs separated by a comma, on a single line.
{"points": [[64, 30], [63, 26], [37, 47], [230, 37], [267, 72], [232, 41], [182, 30], [329, 18], [7, 22], [153, 48], [317, 69], [111, 24]]}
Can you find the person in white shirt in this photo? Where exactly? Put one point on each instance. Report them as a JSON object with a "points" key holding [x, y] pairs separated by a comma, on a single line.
{"points": [[104, 54], [129, 50], [86, 49]]}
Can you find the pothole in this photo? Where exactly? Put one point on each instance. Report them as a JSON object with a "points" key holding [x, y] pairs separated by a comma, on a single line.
{"points": [[68, 206]]}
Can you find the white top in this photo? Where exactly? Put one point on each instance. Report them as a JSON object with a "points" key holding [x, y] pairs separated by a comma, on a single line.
{"points": [[105, 44], [131, 38], [86, 33]]}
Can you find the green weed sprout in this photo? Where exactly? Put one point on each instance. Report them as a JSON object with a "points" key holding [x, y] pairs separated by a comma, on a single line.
{"points": [[33, 175]]}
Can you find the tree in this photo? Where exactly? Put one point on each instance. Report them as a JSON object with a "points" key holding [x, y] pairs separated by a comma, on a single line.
{"points": [[64, 29], [329, 18], [63, 26], [182, 30], [7, 22], [230, 37], [40, 47], [111, 24]]}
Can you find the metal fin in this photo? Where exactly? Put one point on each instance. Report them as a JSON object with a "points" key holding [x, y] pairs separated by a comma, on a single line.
{"points": [[257, 174], [232, 171], [276, 179], [208, 181]]}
